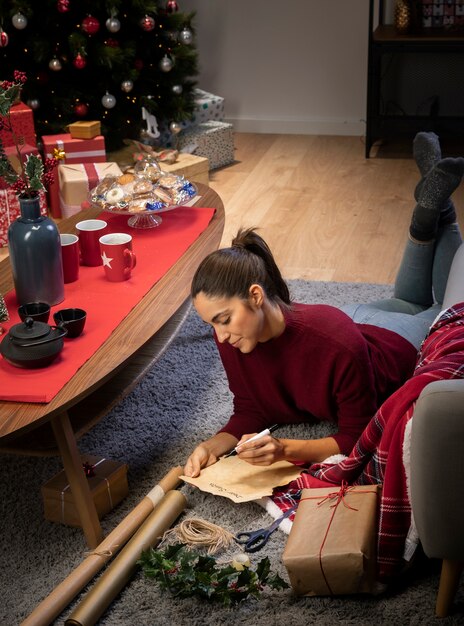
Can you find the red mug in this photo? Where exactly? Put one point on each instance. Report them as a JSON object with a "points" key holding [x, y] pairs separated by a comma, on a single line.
{"points": [[117, 256], [70, 256], [89, 232]]}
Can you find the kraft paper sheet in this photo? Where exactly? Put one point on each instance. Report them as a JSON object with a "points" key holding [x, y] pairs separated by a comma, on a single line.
{"points": [[241, 482]]}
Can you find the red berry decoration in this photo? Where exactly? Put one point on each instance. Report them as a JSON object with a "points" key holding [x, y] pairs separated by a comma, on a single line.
{"points": [[172, 6], [79, 62], [63, 6], [90, 25], [81, 109], [147, 23]]}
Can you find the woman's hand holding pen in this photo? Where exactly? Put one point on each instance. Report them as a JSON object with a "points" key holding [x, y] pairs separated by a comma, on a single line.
{"points": [[263, 451]]}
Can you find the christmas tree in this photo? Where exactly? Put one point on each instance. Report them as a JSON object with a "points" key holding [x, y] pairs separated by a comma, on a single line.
{"points": [[130, 64]]}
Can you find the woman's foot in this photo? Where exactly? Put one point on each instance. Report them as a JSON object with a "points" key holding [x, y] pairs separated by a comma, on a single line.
{"points": [[433, 198]]}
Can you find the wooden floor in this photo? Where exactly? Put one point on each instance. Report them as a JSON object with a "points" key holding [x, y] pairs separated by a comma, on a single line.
{"points": [[327, 212]]}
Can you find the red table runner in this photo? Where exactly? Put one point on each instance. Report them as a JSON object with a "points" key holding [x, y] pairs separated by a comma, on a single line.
{"points": [[157, 249]]}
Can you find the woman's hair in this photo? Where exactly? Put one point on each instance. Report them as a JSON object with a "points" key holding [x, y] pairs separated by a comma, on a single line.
{"points": [[230, 272]]}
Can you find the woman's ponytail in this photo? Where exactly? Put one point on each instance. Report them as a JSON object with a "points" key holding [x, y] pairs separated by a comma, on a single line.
{"points": [[230, 272]]}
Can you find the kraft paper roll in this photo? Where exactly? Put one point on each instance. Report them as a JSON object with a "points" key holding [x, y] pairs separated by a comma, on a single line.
{"points": [[119, 572], [68, 589]]}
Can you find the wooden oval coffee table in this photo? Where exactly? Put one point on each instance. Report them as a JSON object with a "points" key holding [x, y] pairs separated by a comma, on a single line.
{"points": [[112, 372]]}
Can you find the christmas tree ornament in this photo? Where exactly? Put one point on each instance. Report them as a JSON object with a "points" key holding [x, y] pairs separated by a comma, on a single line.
{"points": [[63, 6], [81, 109], [175, 128], [19, 21], [166, 64], [108, 101], [34, 103], [147, 23], [127, 85], [79, 62], [172, 6], [90, 25], [3, 39], [186, 36], [177, 89], [112, 43], [113, 24], [55, 64]]}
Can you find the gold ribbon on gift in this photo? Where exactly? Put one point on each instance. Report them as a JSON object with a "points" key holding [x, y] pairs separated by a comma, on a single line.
{"points": [[59, 154]]}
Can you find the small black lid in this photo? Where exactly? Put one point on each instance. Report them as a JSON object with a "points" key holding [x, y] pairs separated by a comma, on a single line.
{"points": [[30, 330]]}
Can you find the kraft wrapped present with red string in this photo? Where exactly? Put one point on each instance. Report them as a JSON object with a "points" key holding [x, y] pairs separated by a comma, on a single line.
{"points": [[331, 548], [108, 486], [9, 210], [69, 151], [75, 182], [22, 123]]}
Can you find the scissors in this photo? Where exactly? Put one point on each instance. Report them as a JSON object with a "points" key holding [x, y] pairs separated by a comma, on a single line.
{"points": [[254, 540]]}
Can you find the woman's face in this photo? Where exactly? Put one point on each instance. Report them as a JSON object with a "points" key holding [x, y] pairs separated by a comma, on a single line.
{"points": [[236, 322]]}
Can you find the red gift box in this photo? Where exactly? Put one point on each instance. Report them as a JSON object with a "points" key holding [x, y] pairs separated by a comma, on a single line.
{"points": [[9, 211], [22, 123], [70, 151]]}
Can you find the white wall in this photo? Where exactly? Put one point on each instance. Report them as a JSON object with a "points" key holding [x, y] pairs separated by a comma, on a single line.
{"points": [[285, 66]]}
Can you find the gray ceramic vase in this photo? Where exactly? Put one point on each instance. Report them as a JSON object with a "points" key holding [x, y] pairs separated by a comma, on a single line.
{"points": [[35, 256]]}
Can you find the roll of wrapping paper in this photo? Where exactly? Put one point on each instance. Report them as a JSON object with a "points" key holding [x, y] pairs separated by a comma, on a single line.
{"points": [[120, 571], [67, 590]]}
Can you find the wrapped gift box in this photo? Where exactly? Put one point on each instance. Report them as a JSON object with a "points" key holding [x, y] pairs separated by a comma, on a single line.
{"points": [[75, 182], [212, 140], [12, 154], [22, 122], [9, 211], [84, 130], [72, 151], [331, 547], [193, 167], [108, 487], [208, 107]]}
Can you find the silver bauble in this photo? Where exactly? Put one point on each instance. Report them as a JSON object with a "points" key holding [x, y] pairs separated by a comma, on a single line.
{"points": [[34, 103], [166, 64], [108, 101], [113, 24], [177, 89], [55, 65], [175, 128], [186, 36], [127, 85], [19, 21]]}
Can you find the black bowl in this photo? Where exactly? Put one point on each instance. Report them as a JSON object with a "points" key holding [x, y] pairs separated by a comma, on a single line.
{"points": [[71, 319], [39, 311]]}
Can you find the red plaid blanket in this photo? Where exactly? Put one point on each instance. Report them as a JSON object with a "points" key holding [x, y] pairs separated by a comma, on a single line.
{"points": [[377, 456]]}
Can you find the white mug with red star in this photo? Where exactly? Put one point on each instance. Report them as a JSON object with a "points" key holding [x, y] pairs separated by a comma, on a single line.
{"points": [[117, 256]]}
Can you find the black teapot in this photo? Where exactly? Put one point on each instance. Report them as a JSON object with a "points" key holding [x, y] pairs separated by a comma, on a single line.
{"points": [[32, 344]]}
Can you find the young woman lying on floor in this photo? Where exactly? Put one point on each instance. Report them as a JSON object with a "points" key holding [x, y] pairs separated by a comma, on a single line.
{"points": [[294, 363]]}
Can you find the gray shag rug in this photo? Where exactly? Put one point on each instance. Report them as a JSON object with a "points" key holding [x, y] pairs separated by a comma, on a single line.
{"points": [[183, 400]]}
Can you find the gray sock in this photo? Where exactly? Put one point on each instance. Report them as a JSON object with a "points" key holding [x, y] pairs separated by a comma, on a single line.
{"points": [[433, 195], [427, 153]]}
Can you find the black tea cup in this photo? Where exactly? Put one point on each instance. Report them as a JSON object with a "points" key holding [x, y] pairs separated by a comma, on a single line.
{"points": [[71, 319]]}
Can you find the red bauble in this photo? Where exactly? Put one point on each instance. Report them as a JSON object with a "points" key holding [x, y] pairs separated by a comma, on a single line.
{"points": [[172, 6], [112, 43], [3, 39], [63, 6], [90, 25], [138, 64], [147, 23], [81, 109], [79, 62]]}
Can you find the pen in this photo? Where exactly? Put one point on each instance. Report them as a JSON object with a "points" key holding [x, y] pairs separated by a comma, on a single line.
{"points": [[260, 435]]}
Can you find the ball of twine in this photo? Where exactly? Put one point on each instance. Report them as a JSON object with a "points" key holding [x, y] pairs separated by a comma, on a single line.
{"points": [[198, 532]]}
